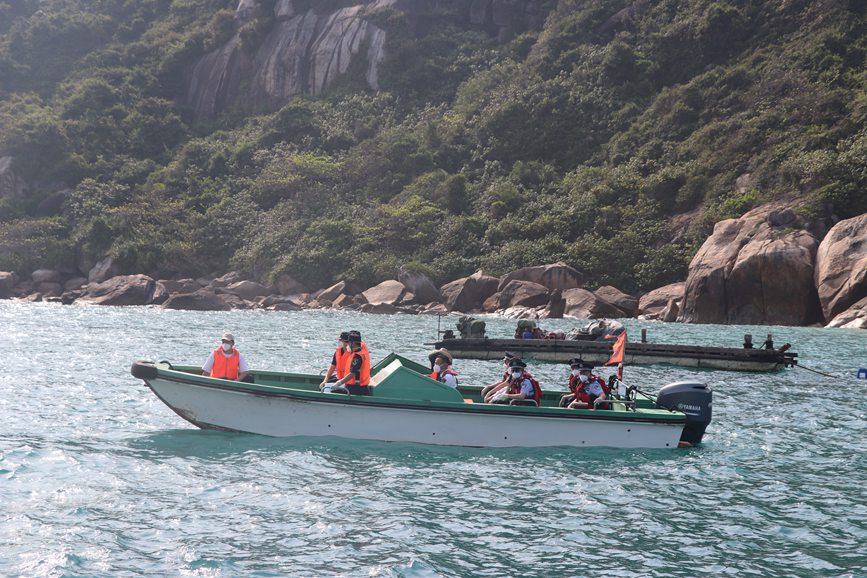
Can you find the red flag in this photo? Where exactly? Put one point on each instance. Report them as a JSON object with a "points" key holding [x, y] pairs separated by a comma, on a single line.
{"points": [[618, 349]]}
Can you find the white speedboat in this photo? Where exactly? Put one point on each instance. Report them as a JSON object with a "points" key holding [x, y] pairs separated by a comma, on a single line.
{"points": [[408, 406]]}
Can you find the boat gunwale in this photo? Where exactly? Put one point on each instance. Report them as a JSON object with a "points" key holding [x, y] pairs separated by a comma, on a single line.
{"points": [[661, 416]]}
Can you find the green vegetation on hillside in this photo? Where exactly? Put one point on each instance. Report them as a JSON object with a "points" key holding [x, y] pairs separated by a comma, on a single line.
{"points": [[576, 143]]}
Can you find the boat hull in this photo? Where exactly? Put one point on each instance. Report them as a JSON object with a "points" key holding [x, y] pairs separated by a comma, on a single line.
{"points": [[212, 407]]}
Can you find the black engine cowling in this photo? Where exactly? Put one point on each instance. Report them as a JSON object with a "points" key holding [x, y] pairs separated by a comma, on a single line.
{"points": [[695, 400]]}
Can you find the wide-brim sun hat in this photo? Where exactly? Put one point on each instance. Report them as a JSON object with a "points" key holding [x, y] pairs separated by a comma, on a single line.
{"points": [[441, 352]]}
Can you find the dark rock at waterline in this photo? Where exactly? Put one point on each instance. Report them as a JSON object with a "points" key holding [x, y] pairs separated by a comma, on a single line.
{"points": [[121, 290]]}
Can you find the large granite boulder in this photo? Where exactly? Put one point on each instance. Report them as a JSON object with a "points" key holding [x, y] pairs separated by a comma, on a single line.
{"points": [[522, 294], [201, 300], [419, 285], [333, 292], [841, 266], [312, 45], [248, 290], [654, 303], [751, 272], [303, 53], [45, 276], [585, 304], [121, 290], [554, 276], [8, 280], [105, 269], [390, 292], [469, 293], [626, 303], [853, 318]]}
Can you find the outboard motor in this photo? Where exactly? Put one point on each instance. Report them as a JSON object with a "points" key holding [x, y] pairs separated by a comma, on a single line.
{"points": [[695, 400]]}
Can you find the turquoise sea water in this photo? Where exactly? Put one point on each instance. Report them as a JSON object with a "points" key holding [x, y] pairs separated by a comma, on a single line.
{"points": [[99, 478]]}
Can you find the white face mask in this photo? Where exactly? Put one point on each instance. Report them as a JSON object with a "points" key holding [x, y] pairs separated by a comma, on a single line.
{"points": [[584, 378], [227, 347], [576, 373], [438, 368], [517, 374]]}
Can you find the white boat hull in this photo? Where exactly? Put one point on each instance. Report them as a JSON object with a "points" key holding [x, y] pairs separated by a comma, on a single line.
{"points": [[284, 416]]}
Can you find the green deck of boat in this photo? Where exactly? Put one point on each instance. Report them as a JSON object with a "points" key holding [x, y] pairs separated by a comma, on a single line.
{"points": [[404, 381]]}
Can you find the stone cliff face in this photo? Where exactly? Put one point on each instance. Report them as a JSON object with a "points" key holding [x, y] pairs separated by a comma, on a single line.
{"points": [[753, 271], [310, 46]]}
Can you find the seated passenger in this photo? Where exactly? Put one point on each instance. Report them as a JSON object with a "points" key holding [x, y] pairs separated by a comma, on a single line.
{"points": [[335, 370], [357, 369], [589, 389], [441, 368], [522, 389], [226, 362], [575, 364], [527, 333], [498, 385]]}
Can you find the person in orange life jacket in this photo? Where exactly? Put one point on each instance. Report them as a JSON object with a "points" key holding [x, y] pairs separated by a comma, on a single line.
{"points": [[335, 370], [441, 370], [588, 387], [363, 344], [226, 362], [357, 367], [498, 385], [522, 386]]}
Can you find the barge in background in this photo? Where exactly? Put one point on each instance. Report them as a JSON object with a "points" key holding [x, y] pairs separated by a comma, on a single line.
{"points": [[746, 358]]}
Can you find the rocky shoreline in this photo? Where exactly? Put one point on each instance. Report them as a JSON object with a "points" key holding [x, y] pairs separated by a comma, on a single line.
{"points": [[758, 269]]}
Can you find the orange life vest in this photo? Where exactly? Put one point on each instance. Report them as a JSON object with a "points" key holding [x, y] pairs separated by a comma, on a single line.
{"points": [[339, 361], [365, 366], [226, 367], [437, 375]]}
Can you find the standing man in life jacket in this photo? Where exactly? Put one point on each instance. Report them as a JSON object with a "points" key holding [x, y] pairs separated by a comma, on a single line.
{"points": [[523, 389], [226, 362], [356, 381], [441, 368], [590, 389], [335, 370]]}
